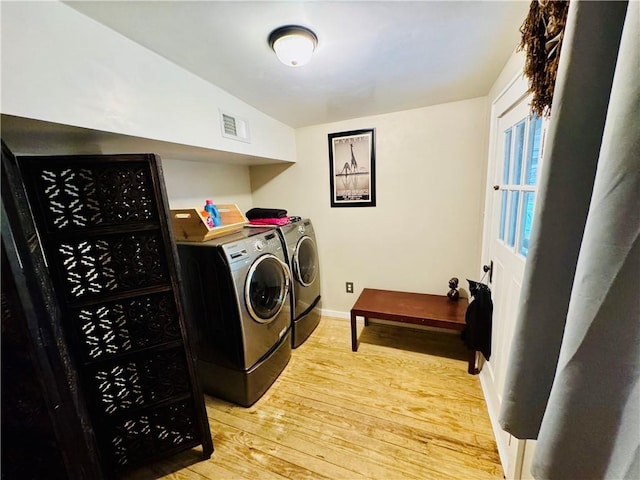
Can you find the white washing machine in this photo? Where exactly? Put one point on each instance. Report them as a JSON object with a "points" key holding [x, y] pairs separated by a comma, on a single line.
{"points": [[302, 257], [236, 291]]}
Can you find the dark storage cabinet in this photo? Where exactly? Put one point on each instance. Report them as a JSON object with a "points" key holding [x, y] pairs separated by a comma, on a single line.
{"points": [[26, 425], [102, 223]]}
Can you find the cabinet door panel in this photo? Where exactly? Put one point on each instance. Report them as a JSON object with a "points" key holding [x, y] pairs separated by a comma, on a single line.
{"points": [[103, 224]]}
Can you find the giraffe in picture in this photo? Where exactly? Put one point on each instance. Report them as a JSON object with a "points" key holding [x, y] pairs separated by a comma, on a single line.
{"points": [[354, 164]]}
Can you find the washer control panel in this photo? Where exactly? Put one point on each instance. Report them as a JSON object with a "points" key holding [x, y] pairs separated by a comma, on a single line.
{"points": [[269, 242]]}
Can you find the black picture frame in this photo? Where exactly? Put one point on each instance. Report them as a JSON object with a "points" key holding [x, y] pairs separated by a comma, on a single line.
{"points": [[352, 168]]}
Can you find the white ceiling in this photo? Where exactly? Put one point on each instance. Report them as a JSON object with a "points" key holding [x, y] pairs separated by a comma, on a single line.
{"points": [[372, 57]]}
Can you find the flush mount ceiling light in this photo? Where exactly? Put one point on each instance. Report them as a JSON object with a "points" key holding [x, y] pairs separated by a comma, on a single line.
{"points": [[293, 44]]}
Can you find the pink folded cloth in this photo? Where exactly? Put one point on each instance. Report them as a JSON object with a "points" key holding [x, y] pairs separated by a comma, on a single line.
{"points": [[269, 221]]}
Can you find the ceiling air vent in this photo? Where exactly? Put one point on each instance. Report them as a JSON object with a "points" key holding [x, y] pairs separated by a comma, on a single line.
{"points": [[234, 127]]}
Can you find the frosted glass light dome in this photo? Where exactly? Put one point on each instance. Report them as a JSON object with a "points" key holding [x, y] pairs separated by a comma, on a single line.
{"points": [[293, 45]]}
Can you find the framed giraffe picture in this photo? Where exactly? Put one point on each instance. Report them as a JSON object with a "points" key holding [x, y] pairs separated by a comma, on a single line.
{"points": [[352, 168]]}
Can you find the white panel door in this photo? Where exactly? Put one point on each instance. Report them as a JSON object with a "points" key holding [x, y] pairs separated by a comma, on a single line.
{"points": [[513, 173], [518, 156]]}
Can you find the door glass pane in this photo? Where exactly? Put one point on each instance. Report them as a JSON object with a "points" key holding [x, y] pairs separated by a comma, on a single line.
{"points": [[503, 214], [306, 263], [513, 217], [533, 155], [267, 287], [518, 152], [507, 156], [525, 222]]}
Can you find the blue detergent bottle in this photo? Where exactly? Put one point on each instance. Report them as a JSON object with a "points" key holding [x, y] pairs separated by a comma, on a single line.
{"points": [[213, 213]]}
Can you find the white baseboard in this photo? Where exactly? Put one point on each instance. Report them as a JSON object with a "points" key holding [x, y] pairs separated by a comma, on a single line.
{"points": [[335, 314]]}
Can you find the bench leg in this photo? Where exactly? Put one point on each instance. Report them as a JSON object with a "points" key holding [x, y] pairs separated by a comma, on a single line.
{"points": [[366, 321], [472, 363], [354, 332]]}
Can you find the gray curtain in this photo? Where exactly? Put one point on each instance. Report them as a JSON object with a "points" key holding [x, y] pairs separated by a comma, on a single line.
{"points": [[574, 365]]}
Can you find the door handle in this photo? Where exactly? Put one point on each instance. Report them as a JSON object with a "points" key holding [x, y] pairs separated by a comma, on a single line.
{"points": [[496, 187], [489, 268]]}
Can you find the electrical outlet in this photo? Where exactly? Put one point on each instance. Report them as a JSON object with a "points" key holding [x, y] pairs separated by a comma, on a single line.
{"points": [[349, 287]]}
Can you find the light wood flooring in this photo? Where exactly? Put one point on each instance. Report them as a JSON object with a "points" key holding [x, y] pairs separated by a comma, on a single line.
{"points": [[402, 407]]}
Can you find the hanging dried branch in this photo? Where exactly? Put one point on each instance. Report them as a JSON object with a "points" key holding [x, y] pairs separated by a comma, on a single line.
{"points": [[542, 34]]}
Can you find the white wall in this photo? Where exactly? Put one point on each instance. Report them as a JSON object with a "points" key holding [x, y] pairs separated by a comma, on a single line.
{"points": [[189, 184], [61, 66], [514, 67], [427, 225]]}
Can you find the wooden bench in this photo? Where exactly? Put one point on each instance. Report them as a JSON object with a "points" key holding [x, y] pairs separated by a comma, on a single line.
{"points": [[415, 308]]}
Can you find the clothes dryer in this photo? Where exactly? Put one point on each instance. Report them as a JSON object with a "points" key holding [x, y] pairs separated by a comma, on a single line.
{"points": [[302, 256], [236, 291]]}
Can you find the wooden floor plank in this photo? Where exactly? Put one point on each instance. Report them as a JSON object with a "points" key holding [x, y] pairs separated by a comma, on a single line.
{"points": [[452, 411], [402, 406], [244, 453], [339, 443], [358, 436], [373, 426], [445, 443], [317, 451]]}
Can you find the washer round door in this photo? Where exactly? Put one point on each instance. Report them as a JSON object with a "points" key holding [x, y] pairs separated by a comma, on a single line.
{"points": [[305, 261], [266, 288]]}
